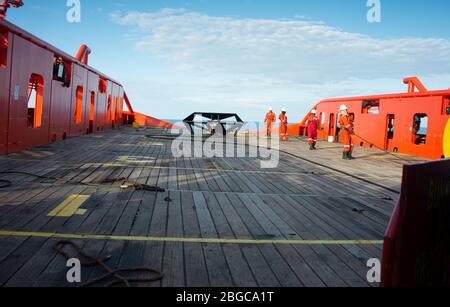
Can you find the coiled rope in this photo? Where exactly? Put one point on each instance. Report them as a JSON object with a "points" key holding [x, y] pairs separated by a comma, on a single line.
{"points": [[116, 276]]}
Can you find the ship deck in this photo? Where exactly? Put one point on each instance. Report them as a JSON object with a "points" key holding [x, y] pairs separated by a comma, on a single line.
{"points": [[315, 220]]}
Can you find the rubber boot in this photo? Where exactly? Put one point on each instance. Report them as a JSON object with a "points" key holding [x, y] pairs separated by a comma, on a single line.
{"points": [[345, 156], [350, 156], [311, 147], [314, 146]]}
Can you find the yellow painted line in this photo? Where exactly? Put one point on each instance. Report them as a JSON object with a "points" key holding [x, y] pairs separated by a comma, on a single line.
{"points": [[70, 206], [185, 240], [446, 141]]}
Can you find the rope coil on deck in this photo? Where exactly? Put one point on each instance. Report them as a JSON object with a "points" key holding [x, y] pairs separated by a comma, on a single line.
{"points": [[116, 274]]}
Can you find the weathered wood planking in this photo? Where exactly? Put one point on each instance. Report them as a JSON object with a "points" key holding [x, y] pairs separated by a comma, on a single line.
{"points": [[209, 198]]}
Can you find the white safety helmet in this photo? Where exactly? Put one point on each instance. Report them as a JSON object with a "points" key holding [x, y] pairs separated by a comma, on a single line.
{"points": [[343, 108], [270, 109], [283, 110], [314, 112]]}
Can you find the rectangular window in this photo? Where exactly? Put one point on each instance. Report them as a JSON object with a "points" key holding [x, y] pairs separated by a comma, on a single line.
{"points": [[109, 104], [79, 105], [323, 117], [108, 109], [390, 127], [371, 107], [331, 124], [420, 129], [446, 106], [352, 116], [3, 49], [92, 108], [102, 85], [62, 71], [35, 101], [114, 108]]}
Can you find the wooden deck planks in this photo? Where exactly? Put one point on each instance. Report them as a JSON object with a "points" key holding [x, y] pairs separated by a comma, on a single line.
{"points": [[208, 198]]}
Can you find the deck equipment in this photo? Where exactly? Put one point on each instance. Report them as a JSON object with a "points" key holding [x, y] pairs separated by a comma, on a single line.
{"points": [[224, 123]]}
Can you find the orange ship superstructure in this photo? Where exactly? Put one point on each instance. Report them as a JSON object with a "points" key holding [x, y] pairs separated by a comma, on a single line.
{"points": [[411, 123]]}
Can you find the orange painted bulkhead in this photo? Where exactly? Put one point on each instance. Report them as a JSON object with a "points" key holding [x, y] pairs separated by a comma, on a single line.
{"points": [[47, 95], [78, 101], [120, 107], [37, 61], [109, 104], [101, 104], [390, 123], [61, 97], [91, 104], [114, 105], [6, 40], [144, 120], [118, 97]]}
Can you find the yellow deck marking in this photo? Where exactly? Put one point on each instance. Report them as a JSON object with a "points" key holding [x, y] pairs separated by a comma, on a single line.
{"points": [[69, 207], [80, 212], [185, 240], [446, 141]]}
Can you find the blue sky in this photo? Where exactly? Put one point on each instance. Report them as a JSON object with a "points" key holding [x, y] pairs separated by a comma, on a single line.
{"points": [[176, 57]]}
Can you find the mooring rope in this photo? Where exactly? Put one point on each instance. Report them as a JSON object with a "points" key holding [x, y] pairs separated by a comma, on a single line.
{"points": [[115, 275]]}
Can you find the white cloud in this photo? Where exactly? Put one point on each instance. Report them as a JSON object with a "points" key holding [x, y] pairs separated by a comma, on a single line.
{"points": [[255, 62]]}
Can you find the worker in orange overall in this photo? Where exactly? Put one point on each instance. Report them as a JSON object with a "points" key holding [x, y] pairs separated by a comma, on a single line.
{"points": [[271, 118], [313, 124], [347, 130], [284, 136]]}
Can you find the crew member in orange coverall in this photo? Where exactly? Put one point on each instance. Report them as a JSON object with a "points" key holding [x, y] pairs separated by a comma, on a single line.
{"points": [[284, 136], [271, 118], [346, 133], [313, 123]]}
